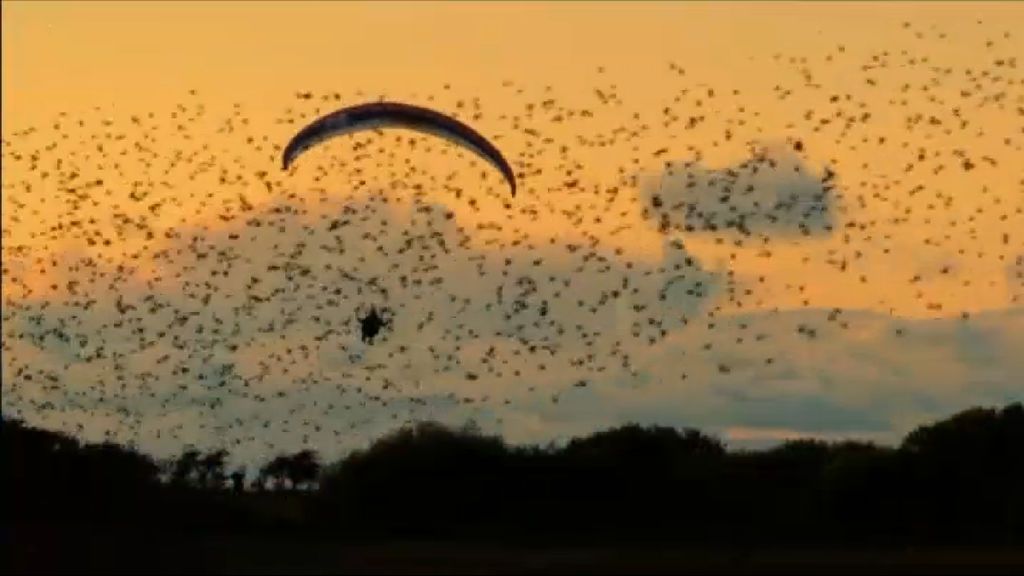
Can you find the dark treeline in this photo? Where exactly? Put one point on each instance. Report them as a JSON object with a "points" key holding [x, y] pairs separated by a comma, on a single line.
{"points": [[959, 481]]}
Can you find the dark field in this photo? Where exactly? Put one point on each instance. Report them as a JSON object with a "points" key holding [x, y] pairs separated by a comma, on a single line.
{"points": [[106, 553]]}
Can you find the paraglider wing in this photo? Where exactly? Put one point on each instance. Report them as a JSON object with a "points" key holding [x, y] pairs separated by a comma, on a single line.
{"points": [[396, 115]]}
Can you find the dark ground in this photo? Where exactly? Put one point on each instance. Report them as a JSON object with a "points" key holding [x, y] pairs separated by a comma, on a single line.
{"points": [[99, 552]]}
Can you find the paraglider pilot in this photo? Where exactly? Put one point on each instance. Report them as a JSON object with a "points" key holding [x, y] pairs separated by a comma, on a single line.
{"points": [[373, 322]]}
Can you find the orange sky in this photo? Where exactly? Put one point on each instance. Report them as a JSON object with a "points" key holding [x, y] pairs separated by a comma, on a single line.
{"points": [[102, 63], [129, 58]]}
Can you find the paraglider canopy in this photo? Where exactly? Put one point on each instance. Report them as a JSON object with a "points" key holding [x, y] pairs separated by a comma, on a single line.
{"points": [[396, 115]]}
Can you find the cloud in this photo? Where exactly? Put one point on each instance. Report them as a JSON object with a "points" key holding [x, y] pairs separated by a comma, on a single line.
{"points": [[876, 378], [774, 193], [250, 328]]}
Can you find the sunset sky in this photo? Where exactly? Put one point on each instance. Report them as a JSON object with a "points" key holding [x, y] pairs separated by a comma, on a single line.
{"points": [[880, 283]]}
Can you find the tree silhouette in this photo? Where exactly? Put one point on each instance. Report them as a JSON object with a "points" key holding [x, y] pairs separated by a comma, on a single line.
{"points": [[975, 455], [186, 467], [211, 469], [302, 468], [275, 471], [956, 481], [296, 471], [238, 480]]}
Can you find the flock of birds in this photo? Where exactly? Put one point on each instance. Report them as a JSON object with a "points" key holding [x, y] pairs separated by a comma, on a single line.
{"points": [[172, 292]]}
